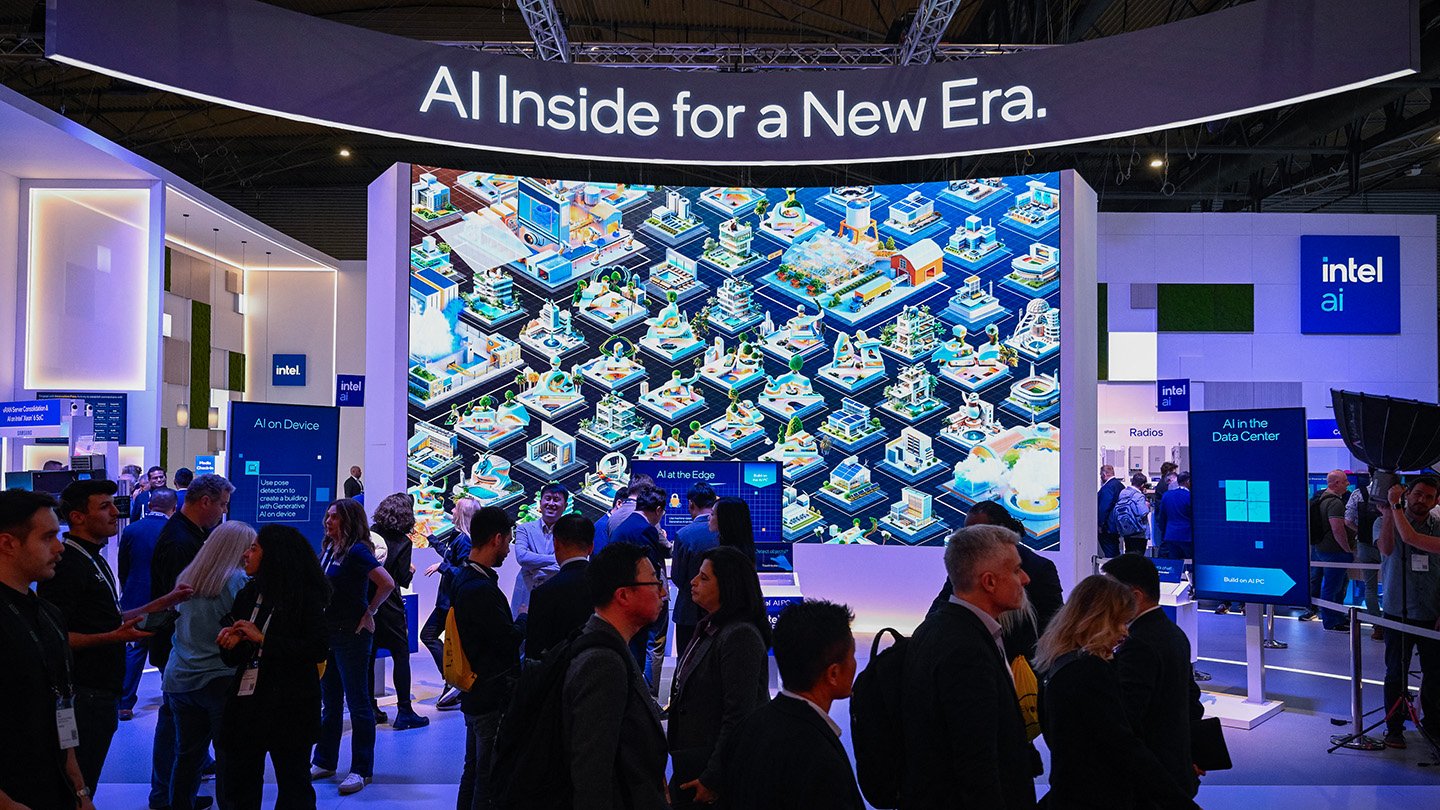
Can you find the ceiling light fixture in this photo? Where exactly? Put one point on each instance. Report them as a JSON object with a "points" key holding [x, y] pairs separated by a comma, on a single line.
{"points": [[344, 152], [1156, 163]]}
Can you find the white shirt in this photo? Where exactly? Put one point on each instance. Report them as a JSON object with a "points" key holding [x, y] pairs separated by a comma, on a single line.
{"points": [[829, 721]]}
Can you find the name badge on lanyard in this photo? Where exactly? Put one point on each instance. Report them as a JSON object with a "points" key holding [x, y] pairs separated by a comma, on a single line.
{"points": [[1420, 563], [65, 724], [251, 676]]}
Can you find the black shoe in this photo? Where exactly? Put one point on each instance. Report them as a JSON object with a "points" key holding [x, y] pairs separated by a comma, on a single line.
{"points": [[408, 720], [1340, 628], [381, 718], [449, 699], [1309, 616], [1222, 608]]}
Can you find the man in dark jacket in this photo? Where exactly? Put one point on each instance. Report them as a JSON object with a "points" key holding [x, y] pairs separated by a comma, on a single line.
{"points": [[1107, 497], [492, 646], [787, 753], [137, 546], [1173, 521], [561, 604], [964, 734], [1156, 685], [611, 724]]}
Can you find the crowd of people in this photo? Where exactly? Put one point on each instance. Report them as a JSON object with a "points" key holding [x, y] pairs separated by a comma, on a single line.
{"points": [[264, 645]]}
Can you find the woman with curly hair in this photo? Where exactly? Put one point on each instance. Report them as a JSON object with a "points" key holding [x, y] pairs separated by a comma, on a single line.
{"points": [[1082, 715], [393, 520]]}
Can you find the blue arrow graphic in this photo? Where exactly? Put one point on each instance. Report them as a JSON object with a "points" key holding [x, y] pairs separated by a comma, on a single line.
{"points": [[1240, 579]]}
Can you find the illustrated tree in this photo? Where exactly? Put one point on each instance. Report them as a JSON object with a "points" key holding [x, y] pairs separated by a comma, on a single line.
{"points": [[709, 245], [579, 292], [796, 363], [793, 427], [486, 402], [889, 243], [761, 207], [834, 301], [694, 426]]}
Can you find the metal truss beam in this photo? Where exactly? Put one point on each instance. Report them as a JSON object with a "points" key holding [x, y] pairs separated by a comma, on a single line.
{"points": [[546, 29], [918, 45], [743, 57]]}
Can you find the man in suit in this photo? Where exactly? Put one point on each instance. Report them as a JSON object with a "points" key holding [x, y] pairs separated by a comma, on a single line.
{"points": [[690, 543], [621, 511], [1153, 665], [1173, 521], [140, 496], [963, 730], [561, 604], [612, 724], [137, 545], [353, 485], [1108, 496], [787, 753], [535, 547]]}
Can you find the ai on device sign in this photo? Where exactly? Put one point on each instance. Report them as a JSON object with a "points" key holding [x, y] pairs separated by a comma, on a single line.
{"points": [[287, 369], [1350, 285]]}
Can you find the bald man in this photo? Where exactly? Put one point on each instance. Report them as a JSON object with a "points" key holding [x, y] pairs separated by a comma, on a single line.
{"points": [[1334, 546]]}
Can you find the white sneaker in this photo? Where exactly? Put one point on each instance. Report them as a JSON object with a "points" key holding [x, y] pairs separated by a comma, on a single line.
{"points": [[317, 773], [353, 783]]}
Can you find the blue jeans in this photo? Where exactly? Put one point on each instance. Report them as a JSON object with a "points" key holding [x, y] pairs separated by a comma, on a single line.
{"points": [[197, 721], [346, 685], [476, 791], [162, 754], [1370, 586], [1332, 584], [135, 653]]}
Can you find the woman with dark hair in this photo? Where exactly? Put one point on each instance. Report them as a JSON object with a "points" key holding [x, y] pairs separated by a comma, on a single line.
{"points": [[275, 637], [731, 521], [1083, 716], [394, 518], [723, 675], [351, 567]]}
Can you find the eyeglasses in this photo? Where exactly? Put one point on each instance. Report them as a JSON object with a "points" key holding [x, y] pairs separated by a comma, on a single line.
{"points": [[646, 584]]}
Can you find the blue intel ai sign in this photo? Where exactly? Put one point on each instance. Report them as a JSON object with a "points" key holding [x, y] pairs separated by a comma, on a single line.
{"points": [[287, 369], [1350, 285], [350, 390], [1172, 395]]}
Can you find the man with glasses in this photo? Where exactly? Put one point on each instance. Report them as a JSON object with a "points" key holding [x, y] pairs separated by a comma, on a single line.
{"points": [[611, 723], [492, 646]]}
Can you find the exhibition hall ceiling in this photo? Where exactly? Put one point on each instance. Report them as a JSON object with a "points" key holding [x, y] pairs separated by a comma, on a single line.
{"points": [[1374, 147]]}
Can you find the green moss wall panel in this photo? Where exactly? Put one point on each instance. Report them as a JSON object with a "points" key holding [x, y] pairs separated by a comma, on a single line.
{"points": [[237, 372], [199, 362], [1205, 308], [167, 269], [165, 448]]}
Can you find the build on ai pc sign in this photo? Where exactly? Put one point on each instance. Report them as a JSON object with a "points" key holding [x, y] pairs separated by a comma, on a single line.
{"points": [[1350, 285], [1251, 505]]}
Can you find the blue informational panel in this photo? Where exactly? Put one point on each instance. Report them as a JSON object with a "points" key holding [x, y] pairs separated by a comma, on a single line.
{"points": [[282, 461], [1250, 503], [756, 482], [110, 412], [24, 415], [1350, 285]]}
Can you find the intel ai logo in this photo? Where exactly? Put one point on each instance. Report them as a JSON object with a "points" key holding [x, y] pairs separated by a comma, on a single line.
{"points": [[288, 369], [1350, 285]]}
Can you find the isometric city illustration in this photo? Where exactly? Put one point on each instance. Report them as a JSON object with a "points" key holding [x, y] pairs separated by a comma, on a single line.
{"points": [[895, 348]]}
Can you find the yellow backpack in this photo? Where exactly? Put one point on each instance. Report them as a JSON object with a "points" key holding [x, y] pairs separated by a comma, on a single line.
{"points": [[457, 667], [1027, 691]]}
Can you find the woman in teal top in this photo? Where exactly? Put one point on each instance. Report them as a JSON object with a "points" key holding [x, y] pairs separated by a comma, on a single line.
{"points": [[197, 682]]}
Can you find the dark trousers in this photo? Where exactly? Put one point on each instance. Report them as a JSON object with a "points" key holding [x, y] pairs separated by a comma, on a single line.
{"points": [[96, 720], [683, 634], [245, 765], [430, 636], [162, 751], [400, 661], [1109, 545], [197, 716], [135, 654], [1332, 584], [1135, 544], [476, 792], [346, 685], [1178, 549], [1398, 650]]}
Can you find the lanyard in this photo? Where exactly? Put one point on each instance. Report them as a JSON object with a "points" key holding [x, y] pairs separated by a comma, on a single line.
{"points": [[44, 658], [264, 628], [102, 571]]}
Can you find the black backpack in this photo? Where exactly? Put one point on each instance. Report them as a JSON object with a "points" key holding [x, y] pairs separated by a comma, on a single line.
{"points": [[875, 725], [531, 766], [1319, 525]]}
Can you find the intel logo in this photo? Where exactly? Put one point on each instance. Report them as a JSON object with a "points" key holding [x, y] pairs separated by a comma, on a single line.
{"points": [[287, 369], [1344, 286]]}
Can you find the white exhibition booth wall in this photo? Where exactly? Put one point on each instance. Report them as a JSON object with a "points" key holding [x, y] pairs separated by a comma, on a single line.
{"points": [[1273, 366]]}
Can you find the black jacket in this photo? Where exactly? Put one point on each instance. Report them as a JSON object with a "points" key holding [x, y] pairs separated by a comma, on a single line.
{"points": [[391, 625], [785, 756], [1096, 759], [1159, 692], [175, 549], [1045, 595], [559, 606], [286, 703], [965, 742], [723, 677], [489, 637], [617, 745]]}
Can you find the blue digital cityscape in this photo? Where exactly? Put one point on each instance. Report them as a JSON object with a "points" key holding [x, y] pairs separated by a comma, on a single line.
{"points": [[894, 348]]}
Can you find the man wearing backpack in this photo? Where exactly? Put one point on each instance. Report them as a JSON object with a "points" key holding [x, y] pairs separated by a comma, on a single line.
{"points": [[964, 734], [492, 648], [1109, 493], [611, 724], [1330, 542], [1132, 514]]}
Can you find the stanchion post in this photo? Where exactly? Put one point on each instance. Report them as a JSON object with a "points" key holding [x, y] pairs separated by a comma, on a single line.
{"points": [[1356, 739], [1255, 654]]}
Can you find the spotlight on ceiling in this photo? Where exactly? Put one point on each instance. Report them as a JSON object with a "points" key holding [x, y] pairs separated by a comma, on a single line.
{"points": [[344, 152], [1156, 163]]}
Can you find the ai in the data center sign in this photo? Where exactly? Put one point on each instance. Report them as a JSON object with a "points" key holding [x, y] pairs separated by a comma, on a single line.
{"points": [[282, 461], [1250, 504]]}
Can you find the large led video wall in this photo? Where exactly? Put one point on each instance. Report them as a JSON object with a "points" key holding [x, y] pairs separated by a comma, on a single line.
{"points": [[895, 348]]}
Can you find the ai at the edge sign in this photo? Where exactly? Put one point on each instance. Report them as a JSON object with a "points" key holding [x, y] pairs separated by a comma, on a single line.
{"points": [[1350, 285]]}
